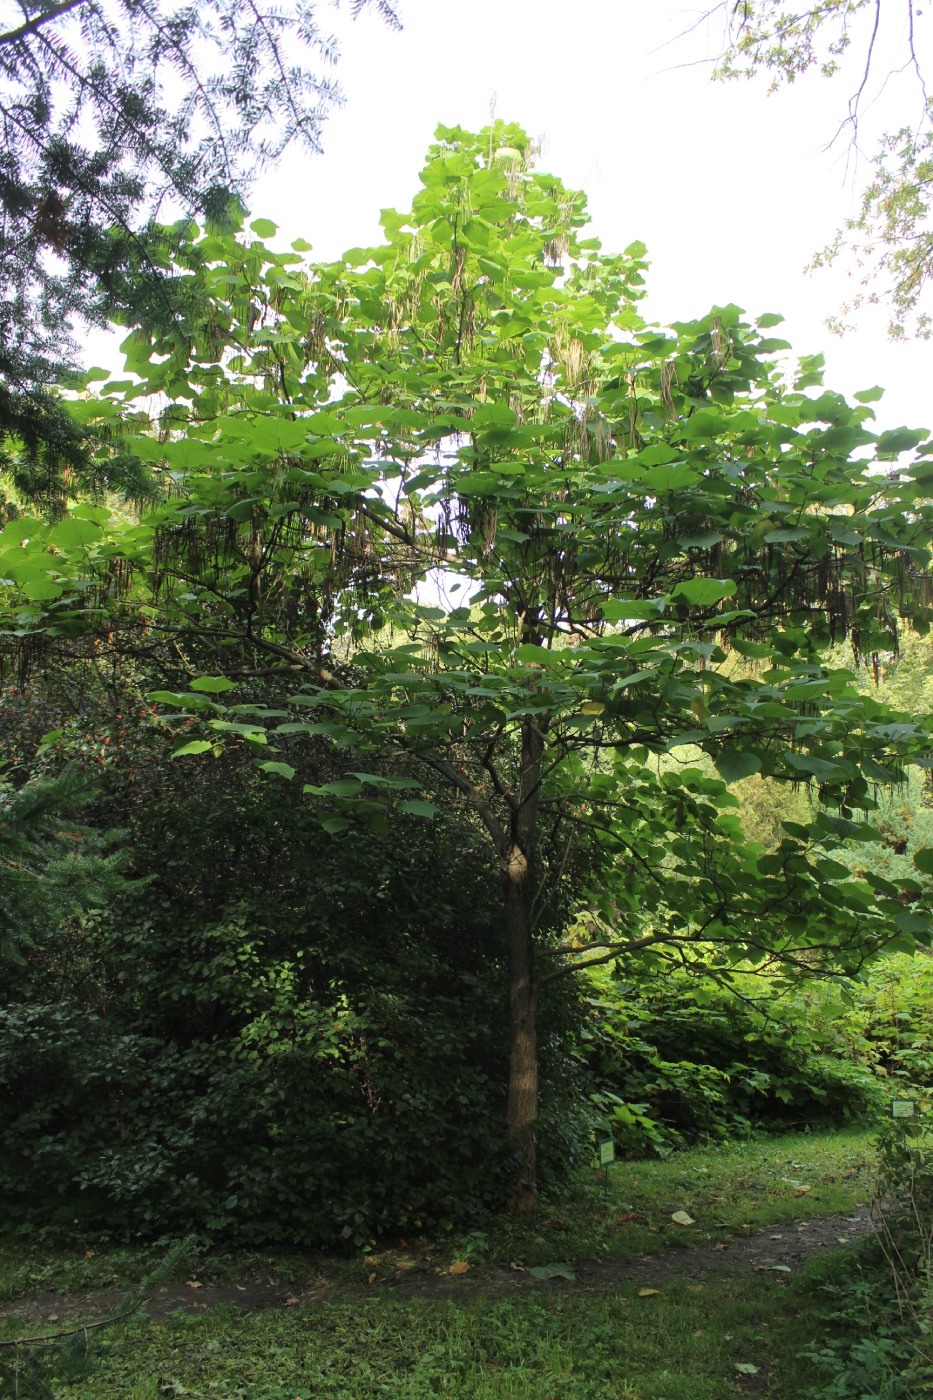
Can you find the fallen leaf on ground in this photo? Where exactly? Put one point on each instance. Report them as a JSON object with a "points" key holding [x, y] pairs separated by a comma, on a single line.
{"points": [[372, 1278], [802, 1190], [193, 1283], [240, 1287], [461, 1267], [680, 1217], [291, 1301], [776, 1237], [553, 1271], [746, 1368], [648, 1292]]}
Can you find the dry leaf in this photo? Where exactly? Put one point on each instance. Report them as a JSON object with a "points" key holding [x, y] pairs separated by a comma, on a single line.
{"points": [[802, 1190], [775, 1237], [89, 1254], [240, 1287], [372, 1278], [291, 1301], [193, 1283], [648, 1292], [680, 1217], [461, 1267]]}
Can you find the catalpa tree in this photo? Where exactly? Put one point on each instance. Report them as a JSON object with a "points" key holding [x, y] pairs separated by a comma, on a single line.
{"points": [[486, 532]]}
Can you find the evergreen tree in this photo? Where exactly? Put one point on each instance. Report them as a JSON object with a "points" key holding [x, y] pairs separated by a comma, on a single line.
{"points": [[108, 110]]}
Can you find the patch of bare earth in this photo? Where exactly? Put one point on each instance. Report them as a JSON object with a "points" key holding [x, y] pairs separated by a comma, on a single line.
{"points": [[778, 1253]]}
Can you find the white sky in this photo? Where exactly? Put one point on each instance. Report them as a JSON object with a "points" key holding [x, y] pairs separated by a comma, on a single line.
{"points": [[731, 190]]}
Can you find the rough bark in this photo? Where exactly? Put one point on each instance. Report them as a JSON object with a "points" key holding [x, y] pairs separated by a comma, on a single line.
{"points": [[518, 887], [522, 1110]]}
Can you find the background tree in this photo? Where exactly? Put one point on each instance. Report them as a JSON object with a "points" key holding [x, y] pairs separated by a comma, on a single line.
{"points": [[111, 110], [52, 864], [655, 533], [890, 237]]}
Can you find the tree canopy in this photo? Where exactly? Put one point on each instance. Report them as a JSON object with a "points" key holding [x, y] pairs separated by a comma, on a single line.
{"points": [[111, 110], [482, 529], [890, 235]]}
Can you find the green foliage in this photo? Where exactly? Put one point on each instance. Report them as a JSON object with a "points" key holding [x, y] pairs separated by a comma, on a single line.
{"points": [[660, 532], [276, 1034], [67, 1355], [104, 109], [881, 1318], [675, 1062], [52, 866]]}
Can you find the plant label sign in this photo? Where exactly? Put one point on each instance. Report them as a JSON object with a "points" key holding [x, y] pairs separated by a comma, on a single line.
{"points": [[607, 1151], [902, 1108]]}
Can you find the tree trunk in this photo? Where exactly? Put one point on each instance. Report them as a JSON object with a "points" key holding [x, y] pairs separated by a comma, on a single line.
{"points": [[522, 1110], [518, 890]]}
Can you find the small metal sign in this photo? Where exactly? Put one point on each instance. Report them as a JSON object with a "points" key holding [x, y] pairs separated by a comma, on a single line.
{"points": [[902, 1108], [607, 1151]]}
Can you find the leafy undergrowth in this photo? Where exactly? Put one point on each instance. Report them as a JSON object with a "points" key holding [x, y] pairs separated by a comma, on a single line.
{"points": [[743, 1333]]}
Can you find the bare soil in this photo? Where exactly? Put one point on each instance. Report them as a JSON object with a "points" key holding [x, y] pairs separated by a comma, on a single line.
{"points": [[779, 1253]]}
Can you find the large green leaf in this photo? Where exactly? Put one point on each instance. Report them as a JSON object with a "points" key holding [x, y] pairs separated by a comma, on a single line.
{"points": [[733, 765]]}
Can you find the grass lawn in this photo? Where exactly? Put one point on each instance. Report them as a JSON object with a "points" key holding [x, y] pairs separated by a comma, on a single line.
{"points": [[733, 1334], [733, 1337]]}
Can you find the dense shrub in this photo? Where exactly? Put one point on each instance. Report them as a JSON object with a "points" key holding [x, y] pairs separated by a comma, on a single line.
{"points": [[674, 1061], [276, 1033]]}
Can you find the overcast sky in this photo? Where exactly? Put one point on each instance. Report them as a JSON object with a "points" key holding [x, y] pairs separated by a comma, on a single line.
{"points": [[731, 190]]}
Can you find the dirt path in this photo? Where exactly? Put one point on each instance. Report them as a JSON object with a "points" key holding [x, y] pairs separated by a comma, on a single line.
{"points": [[780, 1253]]}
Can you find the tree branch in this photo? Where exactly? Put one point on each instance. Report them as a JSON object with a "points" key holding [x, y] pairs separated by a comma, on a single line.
{"points": [[32, 26]]}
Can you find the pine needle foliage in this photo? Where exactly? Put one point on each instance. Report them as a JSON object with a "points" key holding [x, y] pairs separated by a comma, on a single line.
{"points": [[111, 110], [51, 865]]}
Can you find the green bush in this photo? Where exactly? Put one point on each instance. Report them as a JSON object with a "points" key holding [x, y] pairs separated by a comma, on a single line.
{"points": [[278, 1034], [676, 1061]]}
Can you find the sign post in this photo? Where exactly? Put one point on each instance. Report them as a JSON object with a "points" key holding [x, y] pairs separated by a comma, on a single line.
{"points": [[606, 1150]]}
